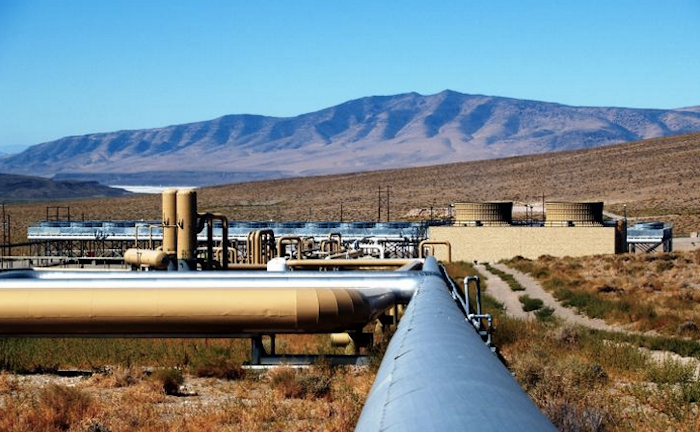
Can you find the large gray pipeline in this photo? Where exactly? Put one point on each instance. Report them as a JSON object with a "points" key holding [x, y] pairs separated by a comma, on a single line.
{"points": [[438, 375]]}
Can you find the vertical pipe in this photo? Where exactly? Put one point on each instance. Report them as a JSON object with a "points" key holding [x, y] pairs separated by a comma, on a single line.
{"points": [[170, 226], [210, 243], [187, 232]]}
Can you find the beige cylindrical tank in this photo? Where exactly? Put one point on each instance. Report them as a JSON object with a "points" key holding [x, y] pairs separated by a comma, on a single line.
{"points": [[561, 213], [170, 221], [187, 224], [496, 213], [153, 258]]}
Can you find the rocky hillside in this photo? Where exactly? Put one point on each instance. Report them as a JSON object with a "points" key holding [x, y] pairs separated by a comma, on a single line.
{"points": [[364, 134], [23, 188]]}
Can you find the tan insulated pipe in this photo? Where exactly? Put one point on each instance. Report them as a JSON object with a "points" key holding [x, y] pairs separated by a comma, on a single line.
{"points": [[288, 239], [203, 305], [187, 226], [170, 222], [433, 242], [155, 259]]}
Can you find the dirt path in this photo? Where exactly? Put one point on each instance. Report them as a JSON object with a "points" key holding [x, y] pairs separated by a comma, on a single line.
{"points": [[500, 290], [535, 290]]}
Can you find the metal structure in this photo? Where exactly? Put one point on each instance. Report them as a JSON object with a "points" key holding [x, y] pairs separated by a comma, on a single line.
{"points": [[436, 358], [559, 213], [113, 238], [497, 213], [441, 352], [648, 236], [437, 375]]}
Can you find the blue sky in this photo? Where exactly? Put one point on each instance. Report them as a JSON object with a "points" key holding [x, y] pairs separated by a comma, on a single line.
{"points": [[79, 66]]}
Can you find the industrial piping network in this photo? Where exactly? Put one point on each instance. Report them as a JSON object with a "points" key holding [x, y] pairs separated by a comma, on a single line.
{"points": [[437, 373]]}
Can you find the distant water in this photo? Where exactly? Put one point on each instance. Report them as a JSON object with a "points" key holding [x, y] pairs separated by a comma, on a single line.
{"points": [[149, 189]]}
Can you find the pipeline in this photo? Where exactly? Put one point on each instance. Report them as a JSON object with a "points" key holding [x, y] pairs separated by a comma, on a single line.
{"points": [[137, 304], [289, 239], [438, 375], [430, 244]]}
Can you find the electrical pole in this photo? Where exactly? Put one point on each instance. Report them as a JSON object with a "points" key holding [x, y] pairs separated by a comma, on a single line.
{"points": [[341, 211], [388, 207], [379, 204], [543, 215]]}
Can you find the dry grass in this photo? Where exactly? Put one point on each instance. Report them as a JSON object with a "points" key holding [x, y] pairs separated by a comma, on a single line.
{"points": [[657, 178], [586, 380], [125, 398], [643, 292]]}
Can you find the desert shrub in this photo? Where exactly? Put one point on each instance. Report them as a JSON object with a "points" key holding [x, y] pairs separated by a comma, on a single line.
{"points": [[169, 379], [312, 383], [570, 417], [622, 357], [662, 266], [315, 386], [509, 330], [545, 314], [125, 376], [530, 304], [591, 304], [60, 407], [8, 383], [284, 380], [585, 375], [216, 362], [691, 391], [670, 372], [568, 335]]}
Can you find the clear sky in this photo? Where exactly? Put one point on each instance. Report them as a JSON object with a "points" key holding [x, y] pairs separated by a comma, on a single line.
{"points": [[71, 67]]}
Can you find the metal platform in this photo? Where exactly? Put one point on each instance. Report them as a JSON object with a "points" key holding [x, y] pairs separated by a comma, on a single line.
{"points": [[648, 236], [147, 230]]}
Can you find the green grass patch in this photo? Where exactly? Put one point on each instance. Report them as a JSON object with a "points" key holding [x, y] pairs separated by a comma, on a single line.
{"points": [[530, 304], [670, 372], [545, 314], [506, 277]]}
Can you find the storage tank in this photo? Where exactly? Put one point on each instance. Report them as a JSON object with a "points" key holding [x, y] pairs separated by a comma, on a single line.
{"points": [[561, 213], [496, 213]]}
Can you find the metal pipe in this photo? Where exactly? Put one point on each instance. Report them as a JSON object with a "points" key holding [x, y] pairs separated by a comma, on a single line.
{"points": [[153, 258], [186, 234], [433, 242], [288, 239], [170, 225], [348, 263], [67, 303], [209, 218], [438, 375]]}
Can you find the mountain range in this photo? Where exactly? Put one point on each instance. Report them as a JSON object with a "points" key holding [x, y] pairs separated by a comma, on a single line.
{"points": [[370, 133]]}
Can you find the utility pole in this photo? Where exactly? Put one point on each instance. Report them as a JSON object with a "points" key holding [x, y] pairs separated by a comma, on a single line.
{"points": [[543, 215], [341, 211], [388, 207], [379, 204]]}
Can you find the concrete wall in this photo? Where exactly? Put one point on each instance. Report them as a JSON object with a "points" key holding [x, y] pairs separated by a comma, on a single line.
{"points": [[497, 243]]}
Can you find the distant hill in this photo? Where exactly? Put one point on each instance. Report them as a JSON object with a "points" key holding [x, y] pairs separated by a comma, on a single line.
{"points": [[24, 188], [658, 179], [371, 133]]}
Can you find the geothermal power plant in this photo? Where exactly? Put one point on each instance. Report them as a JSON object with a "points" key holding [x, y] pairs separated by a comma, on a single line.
{"points": [[195, 274]]}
